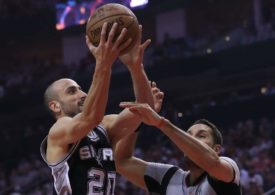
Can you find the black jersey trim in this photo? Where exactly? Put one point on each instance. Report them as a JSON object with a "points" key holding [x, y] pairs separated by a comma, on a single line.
{"points": [[152, 184], [43, 148], [166, 179], [223, 188]]}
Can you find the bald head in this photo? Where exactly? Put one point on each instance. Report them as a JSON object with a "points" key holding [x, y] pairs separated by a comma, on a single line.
{"points": [[52, 92]]}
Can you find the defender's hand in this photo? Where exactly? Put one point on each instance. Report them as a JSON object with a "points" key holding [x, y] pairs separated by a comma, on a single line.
{"points": [[144, 111], [135, 56], [158, 96]]}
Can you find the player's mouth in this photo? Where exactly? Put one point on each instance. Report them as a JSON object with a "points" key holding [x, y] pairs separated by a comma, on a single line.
{"points": [[81, 102]]}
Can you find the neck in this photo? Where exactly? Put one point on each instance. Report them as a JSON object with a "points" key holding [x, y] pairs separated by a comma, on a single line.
{"points": [[194, 175], [59, 115]]}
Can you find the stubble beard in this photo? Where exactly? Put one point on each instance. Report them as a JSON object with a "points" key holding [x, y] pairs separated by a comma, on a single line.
{"points": [[72, 113]]}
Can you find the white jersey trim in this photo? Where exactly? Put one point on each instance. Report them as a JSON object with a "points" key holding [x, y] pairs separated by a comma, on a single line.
{"points": [[104, 131], [43, 153]]}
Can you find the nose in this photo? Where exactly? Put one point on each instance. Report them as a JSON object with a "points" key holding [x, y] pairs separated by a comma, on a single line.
{"points": [[83, 95]]}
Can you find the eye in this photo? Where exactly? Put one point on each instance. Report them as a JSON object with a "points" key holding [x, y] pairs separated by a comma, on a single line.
{"points": [[72, 90], [202, 136]]}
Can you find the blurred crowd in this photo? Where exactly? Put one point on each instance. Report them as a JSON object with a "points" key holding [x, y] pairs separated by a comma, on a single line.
{"points": [[23, 75], [19, 8]]}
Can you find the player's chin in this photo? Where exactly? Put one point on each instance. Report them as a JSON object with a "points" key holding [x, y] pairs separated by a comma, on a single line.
{"points": [[80, 108]]}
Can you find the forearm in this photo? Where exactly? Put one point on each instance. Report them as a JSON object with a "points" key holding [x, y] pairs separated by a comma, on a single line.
{"points": [[126, 164], [200, 153], [125, 147], [142, 88], [96, 100]]}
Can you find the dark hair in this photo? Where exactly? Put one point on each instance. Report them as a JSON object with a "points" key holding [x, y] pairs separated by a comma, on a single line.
{"points": [[215, 131]]}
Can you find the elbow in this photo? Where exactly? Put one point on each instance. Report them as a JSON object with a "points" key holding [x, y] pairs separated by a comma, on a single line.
{"points": [[120, 161], [121, 165]]}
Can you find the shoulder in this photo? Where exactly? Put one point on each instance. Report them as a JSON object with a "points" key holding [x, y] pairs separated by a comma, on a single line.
{"points": [[58, 127], [159, 170], [232, 187], [234, 166], [232, 163], [160, 178]]}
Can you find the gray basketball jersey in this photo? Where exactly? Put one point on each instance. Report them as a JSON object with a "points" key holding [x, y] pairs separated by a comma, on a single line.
{"points": [[88, 168], [163, 179]]}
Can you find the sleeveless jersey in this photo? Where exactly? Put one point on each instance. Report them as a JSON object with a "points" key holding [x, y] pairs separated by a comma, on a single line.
{"points": [[88, 168], [163, 179]]}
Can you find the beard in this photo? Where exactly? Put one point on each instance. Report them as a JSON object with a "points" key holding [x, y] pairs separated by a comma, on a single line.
{"points": [[71, 111]]}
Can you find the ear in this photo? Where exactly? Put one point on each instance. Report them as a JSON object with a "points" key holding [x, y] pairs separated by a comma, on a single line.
{"points": [[55, 106], [217, 148]]}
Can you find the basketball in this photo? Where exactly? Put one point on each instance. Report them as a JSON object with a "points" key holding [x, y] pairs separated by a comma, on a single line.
{"points": [[111, 13]]}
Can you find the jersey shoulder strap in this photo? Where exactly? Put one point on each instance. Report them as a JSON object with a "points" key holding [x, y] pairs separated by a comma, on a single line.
{"points": [[166, 179]]}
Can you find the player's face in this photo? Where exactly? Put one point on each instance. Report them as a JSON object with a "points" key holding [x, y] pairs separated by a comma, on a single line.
{"points": [[71, 98], [203, 133]]}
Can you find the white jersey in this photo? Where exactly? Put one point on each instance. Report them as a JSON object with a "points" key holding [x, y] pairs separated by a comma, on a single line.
{"points": [[163, 179]]}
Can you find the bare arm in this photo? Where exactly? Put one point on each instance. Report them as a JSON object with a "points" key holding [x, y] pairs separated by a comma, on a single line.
{"points": [[126, 164], [197, 151], [133, 61], [69, 130], [127, 122]]}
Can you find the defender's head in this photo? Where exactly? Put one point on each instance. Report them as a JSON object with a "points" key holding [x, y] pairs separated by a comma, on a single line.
{"points": [[208, 133], [64, 97]]}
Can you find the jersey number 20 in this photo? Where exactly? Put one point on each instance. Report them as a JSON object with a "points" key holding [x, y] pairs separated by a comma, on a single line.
{"points": [[96, 182]]}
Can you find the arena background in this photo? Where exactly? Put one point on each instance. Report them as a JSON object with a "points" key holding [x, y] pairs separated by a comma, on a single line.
{"points": [[214, 59]]}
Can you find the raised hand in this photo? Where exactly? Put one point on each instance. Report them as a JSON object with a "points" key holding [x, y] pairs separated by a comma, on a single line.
{"points": [[135, 56], [108, 50], [144, 111], [158, 96]]}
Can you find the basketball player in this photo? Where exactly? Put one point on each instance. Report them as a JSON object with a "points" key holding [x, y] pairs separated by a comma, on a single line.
{"points": [[78, 148], [207, 174]]}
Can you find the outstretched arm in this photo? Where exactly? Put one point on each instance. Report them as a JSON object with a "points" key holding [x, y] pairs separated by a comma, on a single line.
{"points": [[126, 122], [68, 130], [126, 164], [199, 152]]}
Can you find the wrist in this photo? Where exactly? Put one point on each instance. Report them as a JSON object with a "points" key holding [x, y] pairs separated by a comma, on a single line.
{"points": [[135, 67], [162, 122], [101, 67]]}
